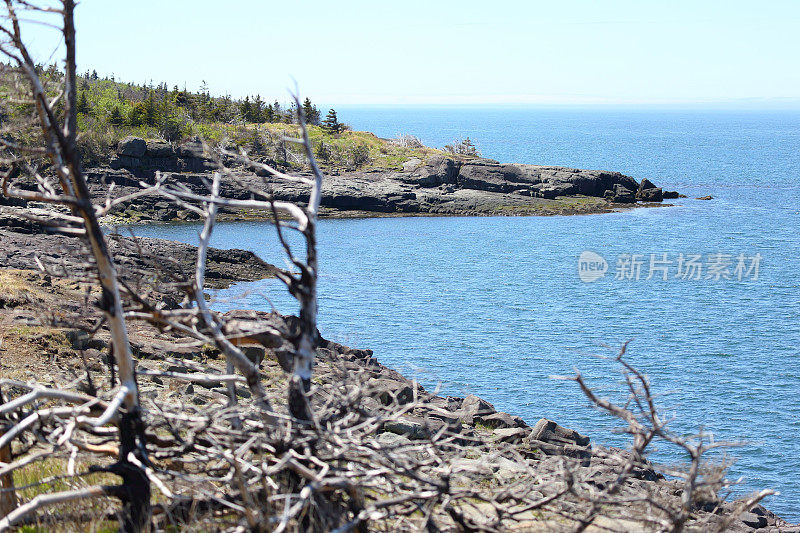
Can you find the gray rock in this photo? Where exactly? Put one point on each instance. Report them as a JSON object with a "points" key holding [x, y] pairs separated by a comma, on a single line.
{"points": [[472, 406], [392, 439], [650, 195], [199, 400], [159, 149], [646, 184], [548, 431], [753, 520], [389, 391], [254, 353], [501, 420], [623, 195], [132, 147], [411, 164], [411, 427], [510, 434], [647, 192]]}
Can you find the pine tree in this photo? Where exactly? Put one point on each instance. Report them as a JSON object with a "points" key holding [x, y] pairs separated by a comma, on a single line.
{"points": [[83, 104], [151, 115], [331, 122], [311, 112], [246, 110], [116, 118], [258, 109]]}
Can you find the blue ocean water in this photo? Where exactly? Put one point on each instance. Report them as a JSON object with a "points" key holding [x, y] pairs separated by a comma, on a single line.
{"points": [[495, 306]]}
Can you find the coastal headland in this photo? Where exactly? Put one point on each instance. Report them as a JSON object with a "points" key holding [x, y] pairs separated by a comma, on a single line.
{"points": [[423, 183]]}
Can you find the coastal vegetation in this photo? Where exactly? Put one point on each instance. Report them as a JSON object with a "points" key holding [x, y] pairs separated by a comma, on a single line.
{"points": [[109, 110]]}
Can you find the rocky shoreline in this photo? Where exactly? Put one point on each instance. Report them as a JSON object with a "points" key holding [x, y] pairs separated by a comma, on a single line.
{"points": [[437, 186], [27, 308]]}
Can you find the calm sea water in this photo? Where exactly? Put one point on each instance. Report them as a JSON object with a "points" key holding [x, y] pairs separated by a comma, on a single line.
{"points": [[495, 306]]}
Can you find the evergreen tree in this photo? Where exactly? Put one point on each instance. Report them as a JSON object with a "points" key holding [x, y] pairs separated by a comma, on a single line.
{"points": [[83, 104], [115, 118], [269, 113], [311, 112], [258, 109], [151, 115], [331, 122], [246, 110]]}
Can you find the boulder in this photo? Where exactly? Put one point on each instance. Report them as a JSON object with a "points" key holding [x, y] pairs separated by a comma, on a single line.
{"points": [[709, 197], [125, 161], [548, 431], [132, 147], [390, 391], [414, 427], [254, 353], [611, 459], [190, 149], [501, 420], [473, 407], [647, 192], [160, 149], [753, 520], [646, 184], [623, 195], [77, 338], [651, 195], [669, 195], [411, 164], [620, 194], [551, 192], [510, 434], [392, 440]]}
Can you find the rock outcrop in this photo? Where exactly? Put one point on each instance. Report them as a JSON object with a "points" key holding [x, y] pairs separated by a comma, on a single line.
{"points": [[439, 186], [143, 158], [25, 241], [648, 192]]}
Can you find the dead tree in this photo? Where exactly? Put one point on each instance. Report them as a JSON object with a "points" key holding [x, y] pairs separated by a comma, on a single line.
{"points": [[59, 134], [699, 481]]}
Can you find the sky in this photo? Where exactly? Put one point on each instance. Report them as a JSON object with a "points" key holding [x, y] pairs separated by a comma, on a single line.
{"points": [[444, 52]]}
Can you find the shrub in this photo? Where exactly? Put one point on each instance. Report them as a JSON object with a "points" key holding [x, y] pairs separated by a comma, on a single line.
{"points": [[357, 155], [323, 152], [463, 147], [408, 141]]}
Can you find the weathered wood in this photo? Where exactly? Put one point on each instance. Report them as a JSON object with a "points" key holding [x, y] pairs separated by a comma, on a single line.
{"points": [[8, 498]]}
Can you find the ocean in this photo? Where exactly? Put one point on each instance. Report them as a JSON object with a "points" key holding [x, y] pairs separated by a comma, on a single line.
{"points": [[707, 292]]}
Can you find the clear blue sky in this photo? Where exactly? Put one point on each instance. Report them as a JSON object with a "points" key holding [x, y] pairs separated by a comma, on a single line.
{"points": [[453, 52]]}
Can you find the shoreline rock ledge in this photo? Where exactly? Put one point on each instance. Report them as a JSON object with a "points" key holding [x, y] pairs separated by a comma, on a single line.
{"points": [[440, 185]]}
